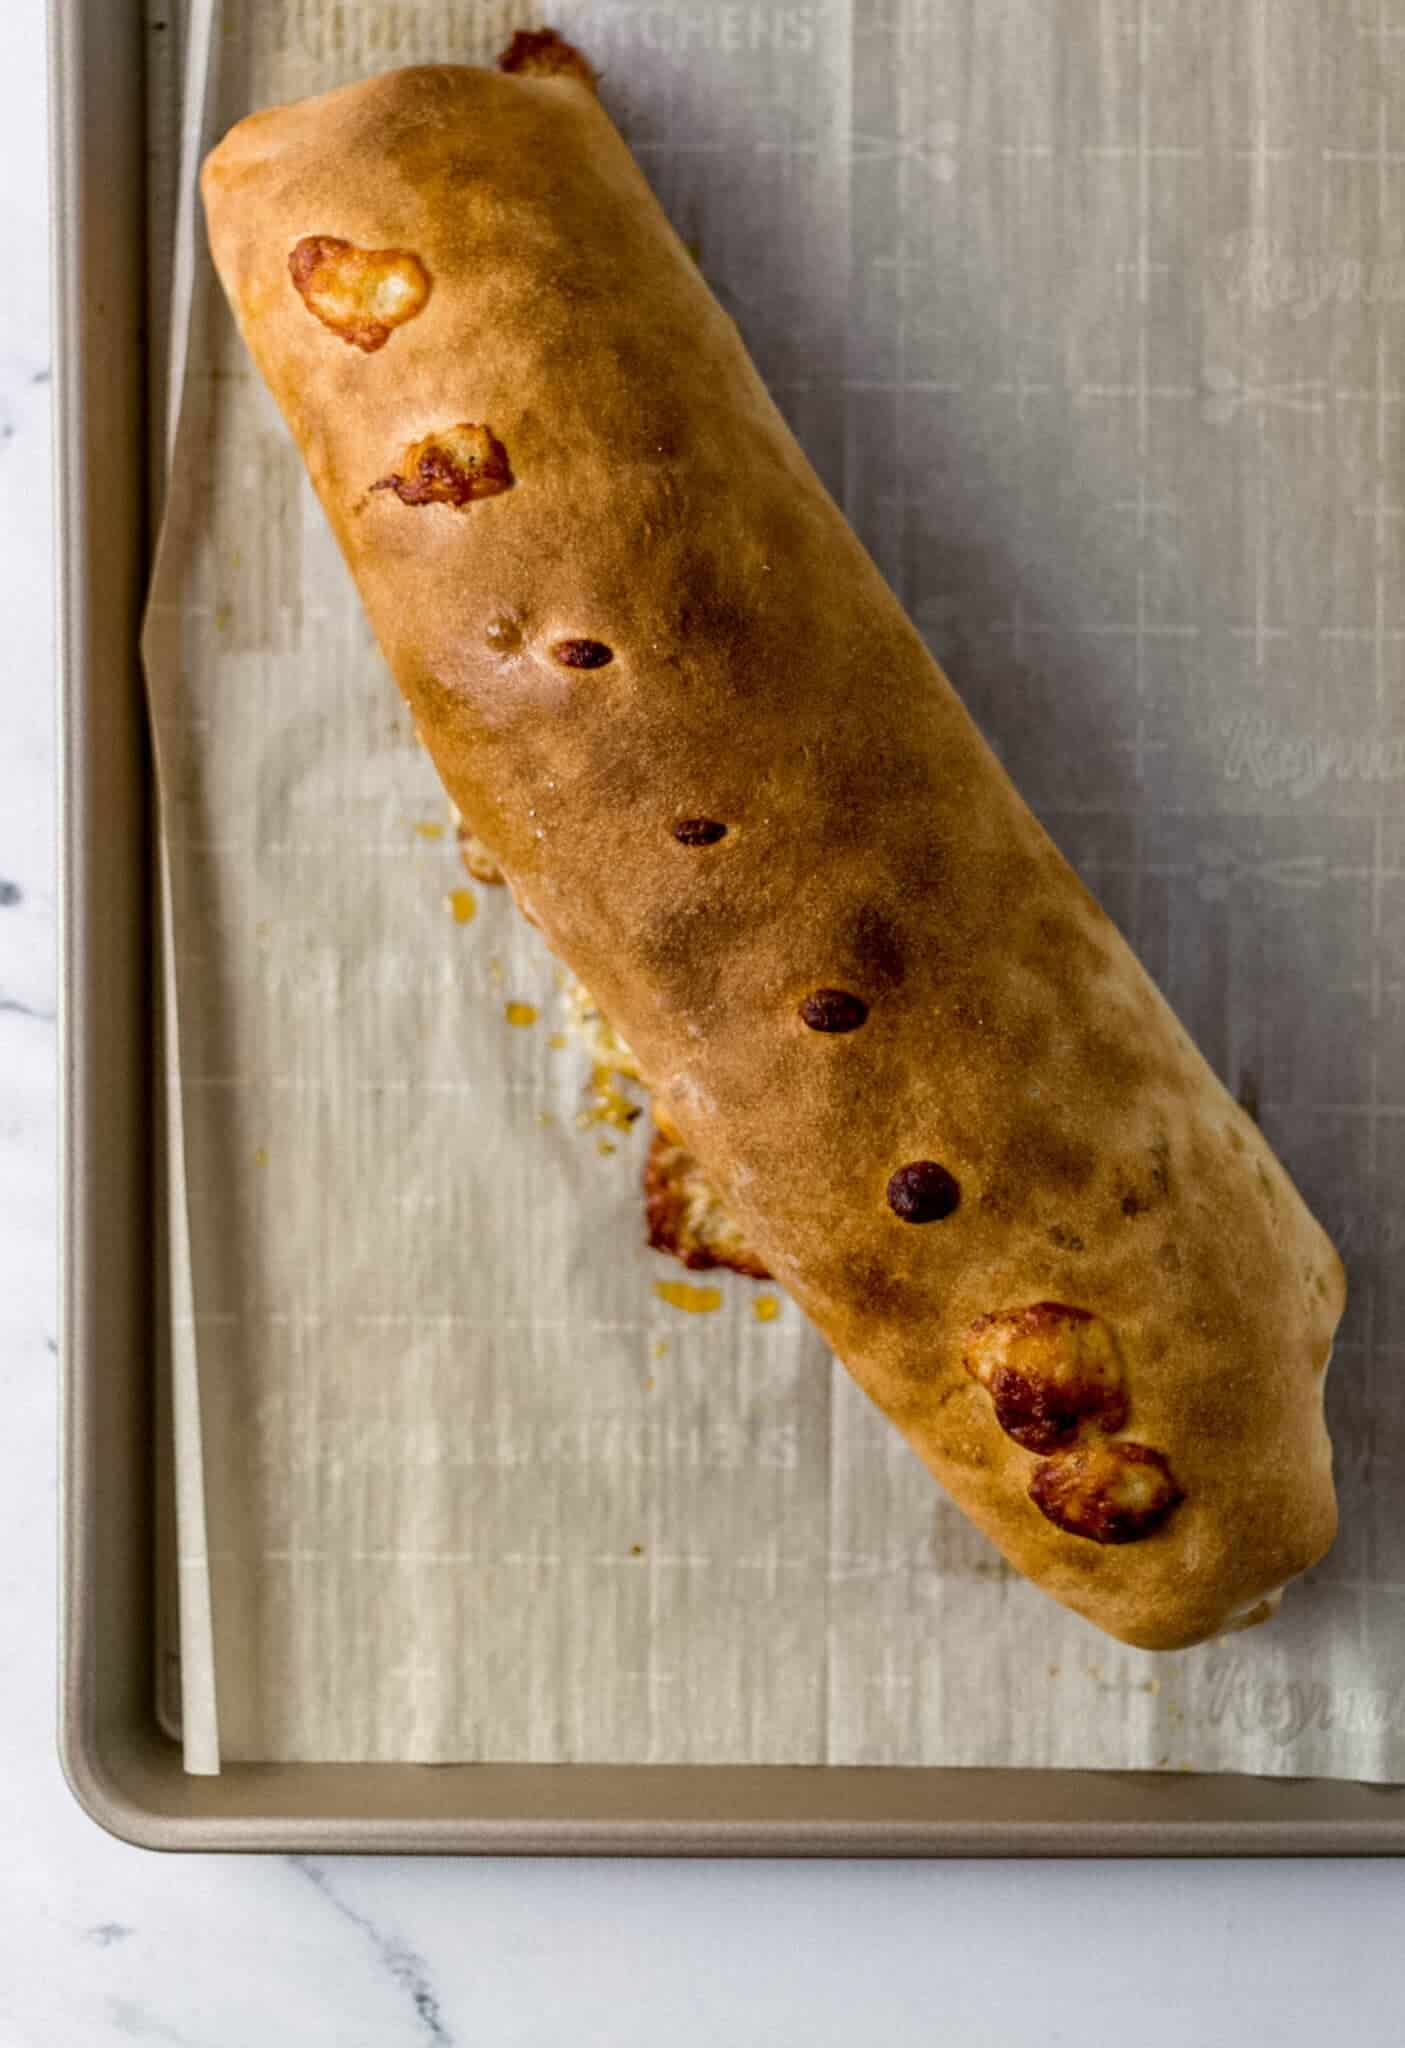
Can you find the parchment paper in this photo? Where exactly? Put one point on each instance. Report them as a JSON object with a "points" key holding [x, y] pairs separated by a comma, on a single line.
{"points": [[1089, 313]]}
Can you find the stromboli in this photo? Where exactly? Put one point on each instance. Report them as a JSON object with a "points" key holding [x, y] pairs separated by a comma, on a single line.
{"points": [[667, 688]]}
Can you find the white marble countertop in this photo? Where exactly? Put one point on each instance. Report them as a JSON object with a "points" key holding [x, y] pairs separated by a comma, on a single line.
{"points": [[102, 1943]]}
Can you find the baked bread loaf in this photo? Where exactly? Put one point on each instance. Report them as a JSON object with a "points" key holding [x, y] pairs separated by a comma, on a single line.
{"points": [[673, 697]]}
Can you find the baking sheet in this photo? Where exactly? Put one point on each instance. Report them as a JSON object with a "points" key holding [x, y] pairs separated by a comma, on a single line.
{"points": [[1085, 314]]}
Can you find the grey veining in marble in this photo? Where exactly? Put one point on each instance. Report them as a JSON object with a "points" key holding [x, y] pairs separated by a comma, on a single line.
{"points": [[401, 1963]]}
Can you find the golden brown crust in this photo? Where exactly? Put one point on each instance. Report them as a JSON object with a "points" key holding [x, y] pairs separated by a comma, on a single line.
{"points": [[685, 1218], [683, 1215], [764, 680]]}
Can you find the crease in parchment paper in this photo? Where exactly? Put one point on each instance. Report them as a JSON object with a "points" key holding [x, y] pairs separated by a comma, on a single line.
{"points": [[1087, 318], [194, 1657]]}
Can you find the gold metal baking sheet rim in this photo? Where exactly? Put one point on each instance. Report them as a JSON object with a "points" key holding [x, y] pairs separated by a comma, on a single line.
{"points": [[123, 1770]]}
